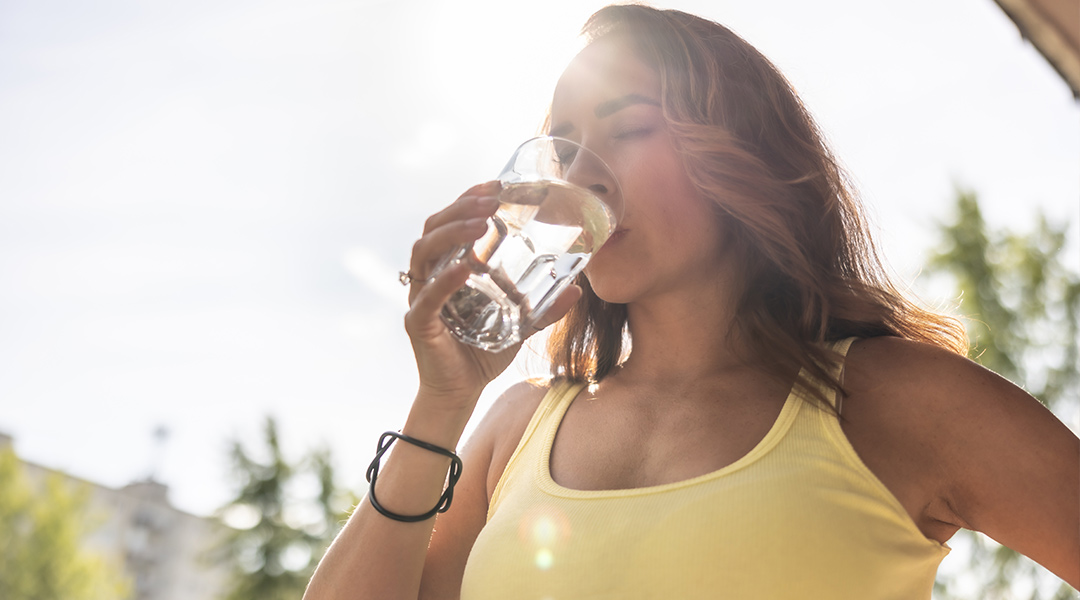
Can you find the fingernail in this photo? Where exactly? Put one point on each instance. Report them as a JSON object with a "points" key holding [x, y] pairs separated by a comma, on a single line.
{"points": [[487, 202], [476, 223]]}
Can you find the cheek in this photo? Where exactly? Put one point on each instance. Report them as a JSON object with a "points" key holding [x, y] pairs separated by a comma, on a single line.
{"points": [[689, 224], [669, 200], [652, 192]]}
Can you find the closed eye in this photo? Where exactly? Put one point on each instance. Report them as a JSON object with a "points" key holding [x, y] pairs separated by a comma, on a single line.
{"points": [[632, 133], [565, 156]]}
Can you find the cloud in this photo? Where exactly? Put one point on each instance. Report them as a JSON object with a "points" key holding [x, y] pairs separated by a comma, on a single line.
{"points": [[374, 273], [432, 141]]}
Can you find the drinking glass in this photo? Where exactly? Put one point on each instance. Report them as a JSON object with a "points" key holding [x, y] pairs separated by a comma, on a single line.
{"points": [[555, 211]]}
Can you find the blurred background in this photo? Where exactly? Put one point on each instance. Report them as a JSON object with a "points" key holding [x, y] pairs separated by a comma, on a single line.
{"points": [[204, 205]]}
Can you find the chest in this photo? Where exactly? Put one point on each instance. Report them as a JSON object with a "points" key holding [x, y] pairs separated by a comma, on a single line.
{"points": [[625, 442], [795, 504], [614, 443]]}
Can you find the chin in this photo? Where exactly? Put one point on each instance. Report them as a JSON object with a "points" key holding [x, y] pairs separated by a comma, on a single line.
{"points": [[607, 277], [610, 287]]}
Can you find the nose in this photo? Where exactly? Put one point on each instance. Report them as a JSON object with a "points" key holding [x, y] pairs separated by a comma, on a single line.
{"points": [[586, 170]]}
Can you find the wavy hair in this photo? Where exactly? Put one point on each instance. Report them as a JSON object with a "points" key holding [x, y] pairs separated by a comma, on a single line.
{"points": [[810, 272]]}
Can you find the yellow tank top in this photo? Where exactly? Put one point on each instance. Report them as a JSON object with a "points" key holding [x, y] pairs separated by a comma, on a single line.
{"points": [[800, 516]]}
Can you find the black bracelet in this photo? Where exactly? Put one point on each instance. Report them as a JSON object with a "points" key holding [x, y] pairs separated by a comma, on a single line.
{"points": [[385, 442]]}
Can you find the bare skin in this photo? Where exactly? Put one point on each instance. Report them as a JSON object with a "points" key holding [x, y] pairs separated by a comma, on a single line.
{"points": [[957, 445], [966, 451]]}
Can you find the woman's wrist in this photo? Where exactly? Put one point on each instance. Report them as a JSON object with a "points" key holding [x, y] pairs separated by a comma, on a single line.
{"points": [[438, 420], [385, 441]]}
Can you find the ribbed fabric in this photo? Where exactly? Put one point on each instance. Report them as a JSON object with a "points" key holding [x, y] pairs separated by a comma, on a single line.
{"points": [[800, 516]]}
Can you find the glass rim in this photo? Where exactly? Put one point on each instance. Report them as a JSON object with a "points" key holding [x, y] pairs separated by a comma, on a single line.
{"points": [[504, 174]]}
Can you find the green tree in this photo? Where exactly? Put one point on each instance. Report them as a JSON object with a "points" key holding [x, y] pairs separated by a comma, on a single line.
{"points": [[1021, 304], [285, 514], [42, 529]]}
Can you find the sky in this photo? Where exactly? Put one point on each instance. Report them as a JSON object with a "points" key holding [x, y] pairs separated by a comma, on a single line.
{"points": [[204, 205]]}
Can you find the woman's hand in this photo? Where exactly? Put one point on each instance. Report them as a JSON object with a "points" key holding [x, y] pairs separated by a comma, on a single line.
{"points": [[451, 373]]}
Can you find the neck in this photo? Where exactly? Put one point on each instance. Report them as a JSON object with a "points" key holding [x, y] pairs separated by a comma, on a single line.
{"points": [[683, 338]]}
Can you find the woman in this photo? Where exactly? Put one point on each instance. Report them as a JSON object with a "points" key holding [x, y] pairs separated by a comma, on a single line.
{"points": [[785, 425]]}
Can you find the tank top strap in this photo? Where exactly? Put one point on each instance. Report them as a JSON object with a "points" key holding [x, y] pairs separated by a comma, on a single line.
{"points": [[765, 527], [551, 407], [835, 368], [841, 347]]}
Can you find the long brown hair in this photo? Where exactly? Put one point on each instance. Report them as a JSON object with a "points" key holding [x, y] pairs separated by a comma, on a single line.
{"points": [[810, 271]]}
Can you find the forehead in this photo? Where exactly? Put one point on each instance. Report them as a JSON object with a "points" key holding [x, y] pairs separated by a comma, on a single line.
{"points": [[604, 70]]}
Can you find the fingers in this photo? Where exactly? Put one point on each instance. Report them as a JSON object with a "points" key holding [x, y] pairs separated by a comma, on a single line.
{"points": [[478, 201], [435, 244], [422, 320], [459, 224]]}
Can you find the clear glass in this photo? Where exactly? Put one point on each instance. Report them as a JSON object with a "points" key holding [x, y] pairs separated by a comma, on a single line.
{"points": [[555, 210]]}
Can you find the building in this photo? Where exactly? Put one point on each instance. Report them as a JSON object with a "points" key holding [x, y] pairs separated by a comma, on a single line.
{"points": [[1053, 27], [166, 553]]}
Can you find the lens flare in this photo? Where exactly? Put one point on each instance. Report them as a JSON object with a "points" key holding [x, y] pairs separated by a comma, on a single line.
{"points": [[542, 531], [544, 559]]}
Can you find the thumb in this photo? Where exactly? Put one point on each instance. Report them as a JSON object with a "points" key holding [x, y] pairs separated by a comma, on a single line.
{"points": [[558, 310]]}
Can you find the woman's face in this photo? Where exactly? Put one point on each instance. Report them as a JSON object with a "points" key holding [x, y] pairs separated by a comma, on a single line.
{"points": [[669, 237]]}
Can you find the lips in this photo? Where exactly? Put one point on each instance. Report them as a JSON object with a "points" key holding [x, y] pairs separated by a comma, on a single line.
{"points": [[615, 236]]}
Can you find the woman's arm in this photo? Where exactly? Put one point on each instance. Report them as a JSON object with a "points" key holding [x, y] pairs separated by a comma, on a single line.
{"points": [[994, 459], [432, 562], [375, 556], [378, 557], [1015, 469], [489, 449]]}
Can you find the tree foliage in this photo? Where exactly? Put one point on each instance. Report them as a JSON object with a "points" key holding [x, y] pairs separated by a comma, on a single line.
{"points": [[42, 533], [1022, 306], [285, 514]]}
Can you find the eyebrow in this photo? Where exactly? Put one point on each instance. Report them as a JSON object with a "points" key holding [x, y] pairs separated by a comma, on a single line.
{"points": [[606, 109], [610, 107]]}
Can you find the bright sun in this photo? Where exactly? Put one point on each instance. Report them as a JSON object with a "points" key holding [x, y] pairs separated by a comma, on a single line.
{"points": [[522, 46]]}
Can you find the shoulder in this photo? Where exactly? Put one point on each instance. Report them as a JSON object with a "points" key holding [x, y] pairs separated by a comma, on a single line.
{"points": [[897, 419], [484, 456], [931, 386], [895, 361], [929, 395], [975, 449], [922, 377], [501, 429]]}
